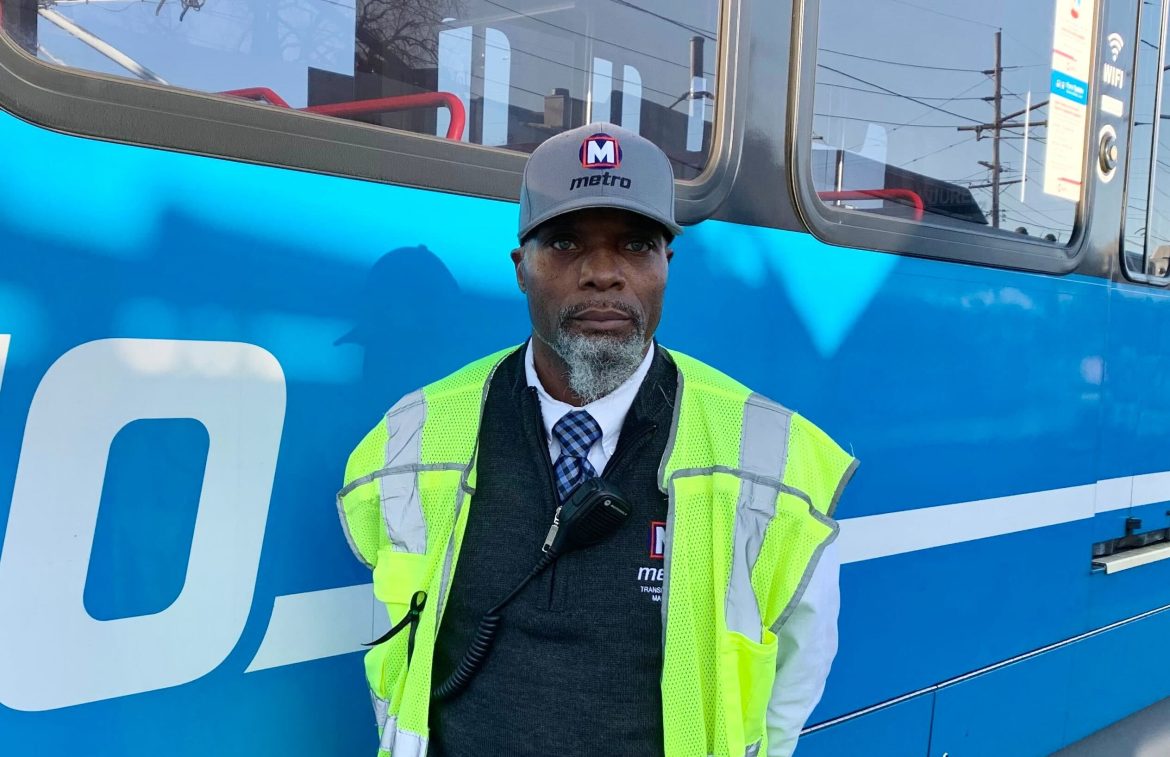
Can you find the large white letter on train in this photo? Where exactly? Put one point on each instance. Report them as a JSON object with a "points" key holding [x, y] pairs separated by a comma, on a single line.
{"points": [[52, 652]]}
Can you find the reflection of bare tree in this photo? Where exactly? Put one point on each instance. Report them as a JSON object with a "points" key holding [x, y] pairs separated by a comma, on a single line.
{"points": [[186, 5], [313, 31], [400, 32], [258, 34]]}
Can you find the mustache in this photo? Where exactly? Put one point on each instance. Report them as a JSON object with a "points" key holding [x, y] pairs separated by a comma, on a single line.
{"points": [[633, 313]]}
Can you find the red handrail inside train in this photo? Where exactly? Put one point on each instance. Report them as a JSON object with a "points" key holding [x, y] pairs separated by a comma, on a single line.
{"points": [[376, 105], [906, 195]]}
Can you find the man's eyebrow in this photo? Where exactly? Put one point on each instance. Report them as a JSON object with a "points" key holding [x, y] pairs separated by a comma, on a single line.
{"points": [[649, 231]]}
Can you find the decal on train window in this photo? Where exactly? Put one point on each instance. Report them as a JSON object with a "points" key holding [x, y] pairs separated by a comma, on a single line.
{"points": [[1068, 97]]}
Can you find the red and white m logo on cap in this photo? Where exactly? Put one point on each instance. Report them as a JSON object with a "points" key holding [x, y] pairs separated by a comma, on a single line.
{"points": [[601, 151]]}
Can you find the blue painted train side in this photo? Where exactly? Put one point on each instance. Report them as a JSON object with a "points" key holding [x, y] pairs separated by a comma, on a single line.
{"points": [[172, 574]]}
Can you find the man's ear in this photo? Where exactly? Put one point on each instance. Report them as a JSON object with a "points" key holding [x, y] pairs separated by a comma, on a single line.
{"points": [[669, 254], [518, 261]]}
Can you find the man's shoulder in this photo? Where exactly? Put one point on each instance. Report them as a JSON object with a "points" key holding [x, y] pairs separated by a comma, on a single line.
{"points": [[824, 466], [717, 385], [454, 397], [473, 375], [469, 378], [699, 375]]}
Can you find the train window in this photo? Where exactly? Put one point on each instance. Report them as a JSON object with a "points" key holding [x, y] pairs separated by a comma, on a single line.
{"points": [[1147, 212], [938, 113], [500, 73]]}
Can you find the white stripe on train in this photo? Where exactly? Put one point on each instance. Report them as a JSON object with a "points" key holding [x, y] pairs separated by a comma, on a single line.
{"points": [[320, 624]]}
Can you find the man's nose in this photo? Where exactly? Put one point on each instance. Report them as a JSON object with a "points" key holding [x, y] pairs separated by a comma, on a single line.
{"points": [[601, 269]]}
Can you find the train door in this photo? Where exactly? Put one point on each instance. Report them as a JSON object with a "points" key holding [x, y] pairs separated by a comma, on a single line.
{"points": [[1135, 487], [1130, 570]]}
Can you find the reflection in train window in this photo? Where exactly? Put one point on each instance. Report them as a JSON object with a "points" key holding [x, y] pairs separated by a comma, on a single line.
{"points": [[502, 73], [944, 115], [1147, 211]]}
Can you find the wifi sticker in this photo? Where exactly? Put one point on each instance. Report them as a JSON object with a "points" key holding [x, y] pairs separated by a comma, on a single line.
{"points": [[1111, 75], [1116, 42]]}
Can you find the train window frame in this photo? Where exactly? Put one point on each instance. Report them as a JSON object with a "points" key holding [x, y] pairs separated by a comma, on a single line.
{"points": [[1141, 277], [94, 105], [902, 236]]}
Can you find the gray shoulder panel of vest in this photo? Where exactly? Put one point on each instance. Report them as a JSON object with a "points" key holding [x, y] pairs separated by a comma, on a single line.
{"points": [[764, 441], [402, 509], [404, 424]]}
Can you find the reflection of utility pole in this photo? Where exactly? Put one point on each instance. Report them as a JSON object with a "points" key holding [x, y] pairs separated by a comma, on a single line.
{"points": [[998, 121], [997, 125], [698, 96]]}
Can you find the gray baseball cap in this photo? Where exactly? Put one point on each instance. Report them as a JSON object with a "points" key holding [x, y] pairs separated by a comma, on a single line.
{"points": [[599, 165]]}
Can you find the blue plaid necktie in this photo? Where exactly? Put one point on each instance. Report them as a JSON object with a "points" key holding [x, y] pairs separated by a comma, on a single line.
{"points": [[577, 432]]}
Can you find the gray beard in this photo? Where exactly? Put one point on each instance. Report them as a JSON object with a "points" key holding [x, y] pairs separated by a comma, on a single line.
{"points": [[599, 364]]}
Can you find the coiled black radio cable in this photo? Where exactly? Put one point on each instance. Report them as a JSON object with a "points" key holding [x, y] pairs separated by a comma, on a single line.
{"points": [[593, 512], [485, 636]]}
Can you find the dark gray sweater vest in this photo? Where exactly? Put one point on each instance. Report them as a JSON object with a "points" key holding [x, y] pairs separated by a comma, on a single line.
{"points": [[576, 665]]}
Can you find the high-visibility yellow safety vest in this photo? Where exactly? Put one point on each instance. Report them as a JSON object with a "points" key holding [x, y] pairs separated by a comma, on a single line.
{"points": [[751, 487]]}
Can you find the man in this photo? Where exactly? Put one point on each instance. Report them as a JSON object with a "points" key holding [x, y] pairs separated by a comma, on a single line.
{"points": [[700, 626]]}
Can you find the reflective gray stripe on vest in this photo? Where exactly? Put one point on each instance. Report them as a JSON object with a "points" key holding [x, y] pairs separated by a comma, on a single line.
{"points": [[402, 509], [381, 709], [753, 749], [762, 452], [763, 446], [402, 743]]}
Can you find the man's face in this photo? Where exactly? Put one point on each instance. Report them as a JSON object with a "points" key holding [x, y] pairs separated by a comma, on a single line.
{"points": [[599, 273]]}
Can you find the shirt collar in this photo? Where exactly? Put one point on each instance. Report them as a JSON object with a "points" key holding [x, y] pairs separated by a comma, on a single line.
{"points": [[609, 411]]}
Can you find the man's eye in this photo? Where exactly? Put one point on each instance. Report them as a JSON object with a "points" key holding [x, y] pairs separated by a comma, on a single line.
{"points": [[561, 245], [639, 245]]}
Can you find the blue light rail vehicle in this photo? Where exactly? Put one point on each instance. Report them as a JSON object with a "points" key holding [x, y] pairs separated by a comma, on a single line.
{"points": [[232, 232]]}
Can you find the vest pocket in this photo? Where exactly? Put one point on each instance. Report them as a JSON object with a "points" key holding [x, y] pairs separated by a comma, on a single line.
{"points": [[397, 576], [748, 670]]}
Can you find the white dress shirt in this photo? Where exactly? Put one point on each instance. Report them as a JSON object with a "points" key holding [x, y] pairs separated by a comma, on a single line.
{"points": [[807, 640], [609, 411], [807, 646]]}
